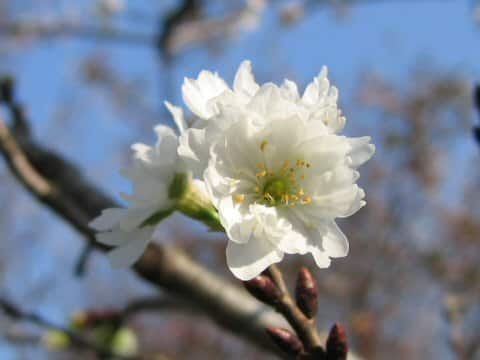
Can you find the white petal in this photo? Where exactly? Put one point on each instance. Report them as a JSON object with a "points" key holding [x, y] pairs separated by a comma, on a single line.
{"points": [[177, 114], [120, 218], [290, 90], [129, 252], [193, 149], [197, 93], [317, 89], [327, 241], [114, 238], [141, 152], [334, 242], [134, 217], [315, 247], [361, 150], [167, 143], [321, 258], [108, 219], [246, 261], [244, 82]]}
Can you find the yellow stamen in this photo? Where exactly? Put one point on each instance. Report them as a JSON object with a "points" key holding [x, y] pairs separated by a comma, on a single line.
{"points": [[238, 198], [307, 200], [268, 197], [262, 173], [301, 192], [263, 145]]}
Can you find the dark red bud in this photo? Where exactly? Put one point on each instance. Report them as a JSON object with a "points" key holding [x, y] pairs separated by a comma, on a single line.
{"points": [[317, 353], [285, 340], [306, 293], [337, 346], [263, 288]]}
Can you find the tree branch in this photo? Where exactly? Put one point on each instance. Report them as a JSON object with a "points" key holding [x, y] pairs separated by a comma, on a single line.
{"points": [[67, 29], [166, 267]]}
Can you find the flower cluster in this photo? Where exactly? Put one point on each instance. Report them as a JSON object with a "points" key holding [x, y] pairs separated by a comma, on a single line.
{"points": [[271, 167]]}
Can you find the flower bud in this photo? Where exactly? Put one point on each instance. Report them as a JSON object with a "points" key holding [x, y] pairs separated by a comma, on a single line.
{"points": [[285, 340], [55, 340], [337, 347], [317, 353], [306, 293], [125, 342], [263, 288]]}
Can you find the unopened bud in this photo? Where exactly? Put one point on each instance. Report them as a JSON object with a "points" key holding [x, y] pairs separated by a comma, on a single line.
{"points": [[6, 89], [337, 346], [55, 340], [306, 293], [285, 340], [317, 353], [263, 288]]}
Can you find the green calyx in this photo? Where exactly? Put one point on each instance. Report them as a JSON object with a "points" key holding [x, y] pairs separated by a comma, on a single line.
{"points": [[194, 203], [190, 201]]}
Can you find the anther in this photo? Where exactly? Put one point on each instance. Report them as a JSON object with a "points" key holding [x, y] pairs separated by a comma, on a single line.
{"points": [[263, 145], [238, 198]]}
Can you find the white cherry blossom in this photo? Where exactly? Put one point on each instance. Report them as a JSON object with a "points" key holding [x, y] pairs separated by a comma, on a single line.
{"points": [[280, 175], [205, 96], [152, 172]]}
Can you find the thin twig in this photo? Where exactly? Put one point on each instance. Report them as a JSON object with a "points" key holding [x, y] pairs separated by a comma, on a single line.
{"points": [[305, 328], [76, 339], [65, 29]]}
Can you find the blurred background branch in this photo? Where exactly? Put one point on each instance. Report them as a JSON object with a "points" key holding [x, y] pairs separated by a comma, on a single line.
{"points": [[91, 76]]}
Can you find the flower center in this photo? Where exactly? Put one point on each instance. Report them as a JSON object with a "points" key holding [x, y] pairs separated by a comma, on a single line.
{"points": [[276, 189], [279, 187]]}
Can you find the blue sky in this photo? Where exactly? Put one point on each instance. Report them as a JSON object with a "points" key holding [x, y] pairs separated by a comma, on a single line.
{"points": [[389, 37]]}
